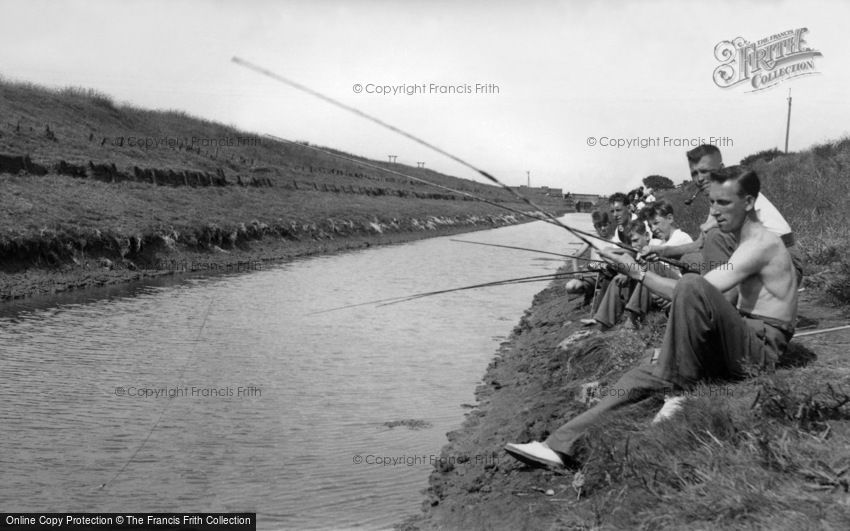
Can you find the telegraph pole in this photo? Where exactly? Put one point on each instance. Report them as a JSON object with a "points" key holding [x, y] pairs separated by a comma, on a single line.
{"points": [[528, 176], [788, 124]]}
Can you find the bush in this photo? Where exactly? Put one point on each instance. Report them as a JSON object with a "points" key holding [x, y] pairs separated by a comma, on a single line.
{"points": [[767, 155]]}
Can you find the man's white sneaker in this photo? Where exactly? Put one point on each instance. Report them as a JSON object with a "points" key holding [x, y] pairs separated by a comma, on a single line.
{"points": [[534, 453], [672, 405]]}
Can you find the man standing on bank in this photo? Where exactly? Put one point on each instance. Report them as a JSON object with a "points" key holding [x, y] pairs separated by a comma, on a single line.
{"points": [[706, 338]]}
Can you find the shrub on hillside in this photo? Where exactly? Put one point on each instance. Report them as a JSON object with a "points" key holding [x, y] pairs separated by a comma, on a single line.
{"points": [[658, 182], [97, 98], [766, 155]]}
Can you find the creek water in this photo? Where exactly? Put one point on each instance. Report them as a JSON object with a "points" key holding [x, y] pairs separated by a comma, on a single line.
{"points": [[227, 393]]}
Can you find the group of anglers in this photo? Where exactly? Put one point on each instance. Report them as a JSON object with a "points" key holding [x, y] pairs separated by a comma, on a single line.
{"points": [[734, 308]]}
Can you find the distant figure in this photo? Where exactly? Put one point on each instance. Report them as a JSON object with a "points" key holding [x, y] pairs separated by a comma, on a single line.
{"points": [[586, 284], [619, 203]]}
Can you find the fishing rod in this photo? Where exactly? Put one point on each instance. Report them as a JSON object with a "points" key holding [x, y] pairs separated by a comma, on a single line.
{"points": [[418, 179], [358, 112], [538, 278], [523, 249], [581, 235], [403, 298], [824, 331]]}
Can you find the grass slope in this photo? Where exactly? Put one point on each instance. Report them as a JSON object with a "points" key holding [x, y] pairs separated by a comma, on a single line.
{"points": [[772, 452], [55, 220]]}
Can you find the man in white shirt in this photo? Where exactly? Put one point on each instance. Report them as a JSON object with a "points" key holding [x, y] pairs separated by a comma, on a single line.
{"points": [[664, 226], [666, 234]]}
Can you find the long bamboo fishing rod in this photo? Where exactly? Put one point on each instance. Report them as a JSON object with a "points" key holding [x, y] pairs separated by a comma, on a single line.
{"points": [[532, 215], [414, 178], [538, 278], [581, 235], [824, 331], [358, 112], [403, 298]]}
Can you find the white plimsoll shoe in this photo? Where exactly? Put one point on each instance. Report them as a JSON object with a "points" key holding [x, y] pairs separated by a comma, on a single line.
{"points": [[672, 405], [534, 453]]}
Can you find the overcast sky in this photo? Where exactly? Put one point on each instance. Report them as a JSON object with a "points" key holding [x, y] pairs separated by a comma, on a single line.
{"points": [[565, 71]]}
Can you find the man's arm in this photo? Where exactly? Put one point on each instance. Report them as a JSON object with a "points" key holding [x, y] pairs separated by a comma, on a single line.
{"points": [[580, 252], [627, 265], [676, 251], [748, 259]]}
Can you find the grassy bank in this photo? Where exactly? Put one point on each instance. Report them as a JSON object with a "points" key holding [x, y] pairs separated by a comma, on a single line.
{"points": [[768, 453], [95, 192]]}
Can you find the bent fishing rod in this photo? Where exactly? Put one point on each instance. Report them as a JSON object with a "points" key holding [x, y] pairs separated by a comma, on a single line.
{"points": [[581, 235], [358, 112]]}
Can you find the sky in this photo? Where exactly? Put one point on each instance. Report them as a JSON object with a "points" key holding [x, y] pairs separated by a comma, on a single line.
{"points": [[552, 74]]}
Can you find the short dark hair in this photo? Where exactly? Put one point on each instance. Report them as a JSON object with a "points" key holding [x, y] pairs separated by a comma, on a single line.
{"points": [[600, 217], [701, 151], [647, 212], [663, 208], [619, 197], [748, 181], [636, 226]]}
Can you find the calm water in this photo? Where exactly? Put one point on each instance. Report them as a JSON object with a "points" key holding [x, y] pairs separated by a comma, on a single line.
{"points": [[273, 409]]}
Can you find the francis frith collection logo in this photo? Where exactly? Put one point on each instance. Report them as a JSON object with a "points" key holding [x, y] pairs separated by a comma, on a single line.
{"points": [[765, 63]]}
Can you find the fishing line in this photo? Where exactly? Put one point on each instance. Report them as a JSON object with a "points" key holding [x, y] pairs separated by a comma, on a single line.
{"points": [[167, 403], [403, 298], [526, 249], [577, 233]]}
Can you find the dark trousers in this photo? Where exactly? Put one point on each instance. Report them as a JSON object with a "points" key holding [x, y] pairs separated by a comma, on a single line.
{"points": [[613, 301], [631, 295], [706, 338]]}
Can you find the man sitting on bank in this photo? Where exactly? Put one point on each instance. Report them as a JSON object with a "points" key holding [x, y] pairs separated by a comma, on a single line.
{"points": [[586, 284], [620, 289], [715, 245], [706, 338], [666, 234]]}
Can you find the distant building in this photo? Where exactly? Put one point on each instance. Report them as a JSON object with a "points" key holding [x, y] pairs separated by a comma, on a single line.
{"points": [[540, 190], [584, 202]]}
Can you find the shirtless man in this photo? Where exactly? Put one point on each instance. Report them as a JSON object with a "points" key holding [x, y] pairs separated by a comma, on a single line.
{"points": [[706, 338], [717, 246]]}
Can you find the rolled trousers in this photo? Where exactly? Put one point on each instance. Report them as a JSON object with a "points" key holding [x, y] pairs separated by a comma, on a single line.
{"points": [[706, 339]]}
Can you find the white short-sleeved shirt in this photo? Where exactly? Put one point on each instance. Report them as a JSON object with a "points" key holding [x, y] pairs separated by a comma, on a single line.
{"points": [[679, 237], [770, 216], [767, 214]]}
